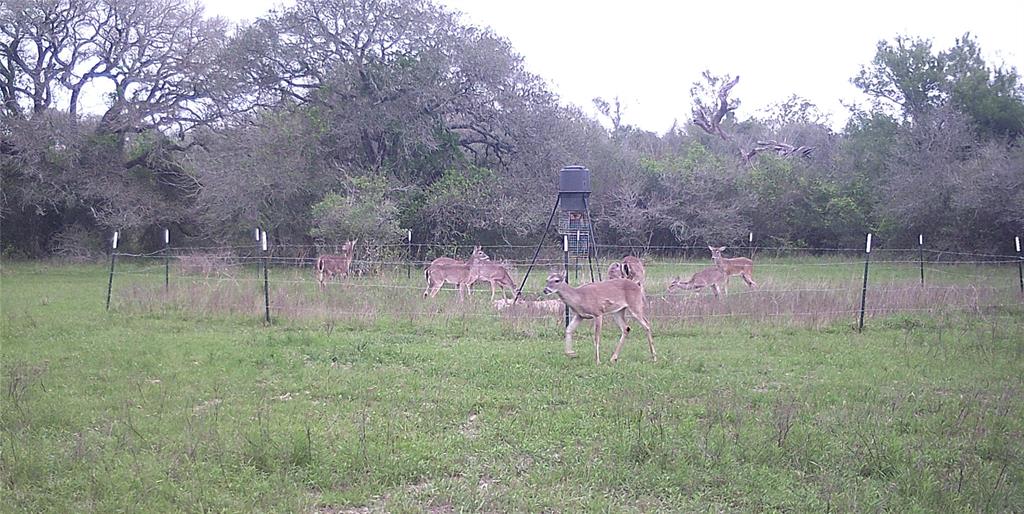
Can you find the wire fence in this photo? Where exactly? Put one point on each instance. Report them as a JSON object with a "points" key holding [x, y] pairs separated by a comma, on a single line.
{"points": [[814, 287]]}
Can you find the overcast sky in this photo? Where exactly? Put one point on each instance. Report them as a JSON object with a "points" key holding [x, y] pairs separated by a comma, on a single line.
{"points": [[648, 53]]}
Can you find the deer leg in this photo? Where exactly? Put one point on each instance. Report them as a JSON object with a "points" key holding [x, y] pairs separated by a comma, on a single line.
{"points": [[748, 279], [492, 291], [714, 289], [433, 287], [642, 319], [620, 319], [597, 338], [569, 330]]}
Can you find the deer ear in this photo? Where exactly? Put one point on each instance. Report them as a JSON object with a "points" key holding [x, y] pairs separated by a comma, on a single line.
{"points": [[711, 248]]}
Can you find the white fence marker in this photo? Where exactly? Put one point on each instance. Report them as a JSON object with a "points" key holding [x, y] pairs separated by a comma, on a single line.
{"points": [[867, 248], [116, 234], [263, 241], [167, 236]]}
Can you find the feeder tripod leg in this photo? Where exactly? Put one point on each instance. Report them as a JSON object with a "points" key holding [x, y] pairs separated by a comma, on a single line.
{"points": [[592, 255], [536, 252]]}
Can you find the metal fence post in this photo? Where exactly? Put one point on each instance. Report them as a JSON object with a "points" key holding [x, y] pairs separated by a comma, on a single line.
{"points": [[167, 260], [565, 262], [113, 258], [266, 281], [864, 290], [920, 254], [1020, 264]]}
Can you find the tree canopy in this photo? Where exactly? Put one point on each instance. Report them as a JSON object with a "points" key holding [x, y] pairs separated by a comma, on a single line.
{"points": [[333, 119]]}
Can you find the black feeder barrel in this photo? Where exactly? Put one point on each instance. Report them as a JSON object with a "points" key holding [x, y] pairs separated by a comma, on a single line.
{"points": [[573, 188]]}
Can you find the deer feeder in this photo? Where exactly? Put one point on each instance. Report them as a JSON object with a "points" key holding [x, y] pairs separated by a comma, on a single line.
{"points": [[573, 200], [573, 188], [574, 223]]}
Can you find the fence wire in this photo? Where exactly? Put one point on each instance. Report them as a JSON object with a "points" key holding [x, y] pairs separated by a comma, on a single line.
{"points": [[818, 287]]}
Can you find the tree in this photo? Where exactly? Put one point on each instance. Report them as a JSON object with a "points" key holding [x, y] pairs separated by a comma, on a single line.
{"points": [[157, 62]]}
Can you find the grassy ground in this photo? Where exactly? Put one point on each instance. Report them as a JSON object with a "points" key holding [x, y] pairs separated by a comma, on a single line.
{"points": [[182, 402]]}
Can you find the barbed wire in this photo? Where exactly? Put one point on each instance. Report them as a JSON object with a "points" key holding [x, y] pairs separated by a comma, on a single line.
{"points": [[514, 313], [602, 249], [277, 259]]}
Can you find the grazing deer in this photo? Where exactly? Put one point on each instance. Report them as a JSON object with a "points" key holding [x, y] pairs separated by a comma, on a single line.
{"points": [[714, 278], [741, 266], [594, 300], [633, 268], [615, 271], [494, 274], [329, 266], [447, 270]]}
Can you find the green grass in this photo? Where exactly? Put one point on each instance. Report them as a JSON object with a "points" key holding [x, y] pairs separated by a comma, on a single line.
{"points": [[178, 407]]}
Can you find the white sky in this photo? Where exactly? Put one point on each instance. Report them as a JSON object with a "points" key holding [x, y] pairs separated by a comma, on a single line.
{"points": [[649, 52]]}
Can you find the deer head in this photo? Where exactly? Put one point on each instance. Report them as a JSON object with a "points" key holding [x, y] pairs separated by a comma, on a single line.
{"points": [[679, 284], [615, 271], [479, 255], [349, 247], [553, 282]]}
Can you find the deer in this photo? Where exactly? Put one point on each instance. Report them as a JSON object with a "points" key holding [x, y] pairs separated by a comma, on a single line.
{"points": [[633, 268], [615, 271], [712, 277], [447, 270], [593, 301], [329, 266], [741, 266], [551, 306], [493, 273]]}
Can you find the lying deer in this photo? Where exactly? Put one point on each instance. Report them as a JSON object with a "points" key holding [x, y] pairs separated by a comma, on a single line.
{"points": [[714, 278], [552, 306], [329, 266], [741, 266], [593, 301], [447, 270], [493, 273]]}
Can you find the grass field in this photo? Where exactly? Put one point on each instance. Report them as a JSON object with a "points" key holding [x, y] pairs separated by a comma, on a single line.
{"points": [[369, 398]]}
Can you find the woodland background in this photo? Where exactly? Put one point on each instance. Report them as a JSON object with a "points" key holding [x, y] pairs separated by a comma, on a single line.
{"points": [[337, 119]]}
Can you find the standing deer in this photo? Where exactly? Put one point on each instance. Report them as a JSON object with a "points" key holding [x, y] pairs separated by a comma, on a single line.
{"points": [[328, 266], [714, 278], [447, 270], [593, 301], [615, 271], [633, 268], [494, 274], [741, 266]]}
